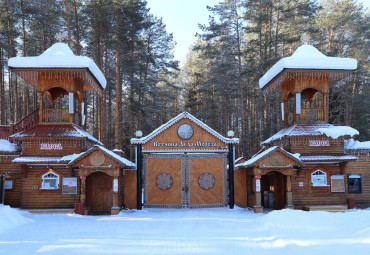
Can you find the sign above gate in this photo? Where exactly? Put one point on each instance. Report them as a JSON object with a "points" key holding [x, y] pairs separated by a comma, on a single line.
{"points": [[185, 144]]}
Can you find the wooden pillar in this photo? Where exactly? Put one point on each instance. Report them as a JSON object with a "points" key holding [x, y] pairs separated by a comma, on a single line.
{"points": [[79, 112], [285, 113], [115, 209], [257, 191], [40, 109], [83, 190], [326, 106], [289, 198]]}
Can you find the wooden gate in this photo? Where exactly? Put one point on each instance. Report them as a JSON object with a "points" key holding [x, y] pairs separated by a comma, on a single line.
{"points": [[99, 192], [185, 180]]}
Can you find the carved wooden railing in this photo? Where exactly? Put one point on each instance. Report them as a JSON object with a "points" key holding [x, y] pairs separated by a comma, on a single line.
{"points": [[56, 116], [312, 114], [27, 122]]}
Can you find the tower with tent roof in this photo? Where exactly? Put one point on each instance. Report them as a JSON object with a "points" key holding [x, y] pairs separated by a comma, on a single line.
{"points": [[54, 162], [308, 163]]}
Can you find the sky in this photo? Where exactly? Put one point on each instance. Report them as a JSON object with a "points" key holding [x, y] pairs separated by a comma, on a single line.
{"points": [[182, 18]]}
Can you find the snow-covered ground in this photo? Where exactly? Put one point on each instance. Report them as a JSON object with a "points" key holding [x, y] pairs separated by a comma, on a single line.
{"points": [[195, 231]]}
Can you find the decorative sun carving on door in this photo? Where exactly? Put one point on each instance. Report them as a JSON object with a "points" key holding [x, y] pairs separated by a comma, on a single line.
{"points": [[164, 181], [206, 181]]}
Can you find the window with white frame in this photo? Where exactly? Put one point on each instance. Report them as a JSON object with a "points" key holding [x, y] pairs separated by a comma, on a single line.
{"points": [[318, 178], [50, 180]]}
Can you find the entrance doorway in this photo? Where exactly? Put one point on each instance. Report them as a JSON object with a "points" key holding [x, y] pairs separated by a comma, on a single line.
{"points": [[273, 190], [99, 193]]}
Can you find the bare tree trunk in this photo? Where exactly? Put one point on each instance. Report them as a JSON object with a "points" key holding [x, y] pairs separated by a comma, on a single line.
{"points": [[277, 29], [78, 50], [240, 84], [68, 23], [26, 90], [2, 90], [118, 133]]}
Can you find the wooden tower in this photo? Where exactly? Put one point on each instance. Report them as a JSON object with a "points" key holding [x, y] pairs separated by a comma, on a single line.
{"points": [[304, 79], [60, 78]]}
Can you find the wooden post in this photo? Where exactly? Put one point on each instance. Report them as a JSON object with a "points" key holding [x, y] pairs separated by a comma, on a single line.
{"points": [[83, 190], [326, 107], [289, 198], [41, 108], [115, 209], [257, 191]]}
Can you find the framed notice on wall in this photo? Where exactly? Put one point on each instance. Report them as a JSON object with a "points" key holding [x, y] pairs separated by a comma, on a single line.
{"points": [[69, 185], [337, 183]]}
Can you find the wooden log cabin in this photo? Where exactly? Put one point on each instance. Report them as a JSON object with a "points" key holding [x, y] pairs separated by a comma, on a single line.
{"points": [[50, 161], [185, 165], [310, 162]]}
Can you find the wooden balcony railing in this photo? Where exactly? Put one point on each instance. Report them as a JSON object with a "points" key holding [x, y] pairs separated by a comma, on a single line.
{"points": [[27, 122], [56, 116], [312, 114]]}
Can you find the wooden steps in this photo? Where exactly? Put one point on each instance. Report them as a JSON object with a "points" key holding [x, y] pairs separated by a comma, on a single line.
{"points": [[327, 208]]}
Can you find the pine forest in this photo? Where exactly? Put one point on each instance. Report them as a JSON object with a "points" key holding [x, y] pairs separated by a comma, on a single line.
{"points": [[218, 82]]}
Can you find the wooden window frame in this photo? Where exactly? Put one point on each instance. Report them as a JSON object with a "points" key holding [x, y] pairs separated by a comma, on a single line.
{"points": [[59, 176], [326, 178]]}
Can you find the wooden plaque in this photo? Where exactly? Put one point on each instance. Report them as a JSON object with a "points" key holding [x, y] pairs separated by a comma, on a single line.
{"points": [[97, 159]]}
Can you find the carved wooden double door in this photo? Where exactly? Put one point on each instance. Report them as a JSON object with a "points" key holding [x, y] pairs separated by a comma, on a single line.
{"points": [[185, 180]]}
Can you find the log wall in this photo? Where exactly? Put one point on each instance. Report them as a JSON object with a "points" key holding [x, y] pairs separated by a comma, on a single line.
{"points": [[32, 147], [32, 196], [130, 189], [240, 188], [300, 144]]}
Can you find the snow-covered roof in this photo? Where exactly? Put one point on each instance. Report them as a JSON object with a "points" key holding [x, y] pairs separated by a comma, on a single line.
{"points": [[116, 156], [313, 129], [267, 152], [326, 157], [184, 115], [109, 152], [6, 146], [337, 131], [38, 159], [351, 144], [68, 130], [59, 55], [307, 57]]}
